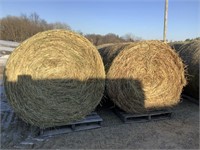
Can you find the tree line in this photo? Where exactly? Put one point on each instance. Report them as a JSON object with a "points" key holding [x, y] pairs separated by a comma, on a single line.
{"points": [[97, 39], [19, 28], [13, 28]]}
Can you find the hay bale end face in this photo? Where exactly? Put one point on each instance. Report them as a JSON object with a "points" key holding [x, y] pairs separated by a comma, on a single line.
{"points": [[190, 53], [54, 78], [143, 76]]}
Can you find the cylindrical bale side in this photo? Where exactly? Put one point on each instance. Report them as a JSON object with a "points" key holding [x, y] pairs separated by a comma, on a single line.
{"points": [[105, 45], [143, 76], [54, 78], [176, 45], [190, 53], [108, 53]]}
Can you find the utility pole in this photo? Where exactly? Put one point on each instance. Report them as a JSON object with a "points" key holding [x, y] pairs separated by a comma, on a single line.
{"points": [[165, 21]]}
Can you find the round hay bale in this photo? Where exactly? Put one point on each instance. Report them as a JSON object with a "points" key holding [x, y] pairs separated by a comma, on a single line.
{"points": [[104, 45], [176, 45], [108, 53], [190, 53], [54, 78], [143, 76]]}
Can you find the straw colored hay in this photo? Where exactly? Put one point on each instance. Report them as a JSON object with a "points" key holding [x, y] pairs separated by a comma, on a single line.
{"points": [[108, 53], [54, 78], [104, 45], [143, 76], [190, 53]]}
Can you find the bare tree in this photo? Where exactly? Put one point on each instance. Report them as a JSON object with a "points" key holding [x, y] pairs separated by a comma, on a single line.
{"points": [[129, 37], [59, 25], [97, 39], [20, 28], [34, 17]]}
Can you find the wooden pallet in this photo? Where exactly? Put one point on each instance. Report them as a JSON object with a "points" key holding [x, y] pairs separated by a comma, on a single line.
{"points": [[150, 116], [8, 116], [190, 99], [91, 121], [29, 143]]}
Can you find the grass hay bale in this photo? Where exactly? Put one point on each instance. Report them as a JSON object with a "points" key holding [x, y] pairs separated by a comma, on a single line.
{"points": [[54, 78], [190, 53], [108, 53], [104, 45], [177, 45], [143, 76]]}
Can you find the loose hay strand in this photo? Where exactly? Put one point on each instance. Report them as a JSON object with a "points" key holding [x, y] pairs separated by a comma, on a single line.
{"points": [[54, 78]]}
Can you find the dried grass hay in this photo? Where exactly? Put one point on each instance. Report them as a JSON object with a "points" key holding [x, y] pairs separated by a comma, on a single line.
{"points": [[54, 78], [190, 53], [176, 45], [143, 76]]}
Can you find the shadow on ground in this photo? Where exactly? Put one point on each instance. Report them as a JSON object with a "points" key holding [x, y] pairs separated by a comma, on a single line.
{"points": [[182, 131]]}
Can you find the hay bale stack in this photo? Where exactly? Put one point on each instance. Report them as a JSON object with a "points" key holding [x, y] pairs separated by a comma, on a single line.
{"points": [[143, 76], [54, 78], [190, 53]]}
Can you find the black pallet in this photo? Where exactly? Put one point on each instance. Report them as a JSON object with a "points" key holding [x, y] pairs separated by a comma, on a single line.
{"points": [[91, 121], [195, 101], [149, 116]]}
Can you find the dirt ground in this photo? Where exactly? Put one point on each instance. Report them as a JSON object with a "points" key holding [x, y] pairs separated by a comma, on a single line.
{"points": [[179, 132]]}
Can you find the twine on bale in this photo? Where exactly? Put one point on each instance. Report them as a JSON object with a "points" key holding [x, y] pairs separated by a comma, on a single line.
{"points": [[54, 78], [190, 53], [143, 76]]}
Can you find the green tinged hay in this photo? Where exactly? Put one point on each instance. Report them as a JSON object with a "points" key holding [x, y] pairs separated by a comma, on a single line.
{"points": [[143, 76], [54, 78]]}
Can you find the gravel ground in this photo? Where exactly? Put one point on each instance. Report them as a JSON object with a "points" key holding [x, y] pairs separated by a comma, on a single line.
{"points": [[179, 132]]}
